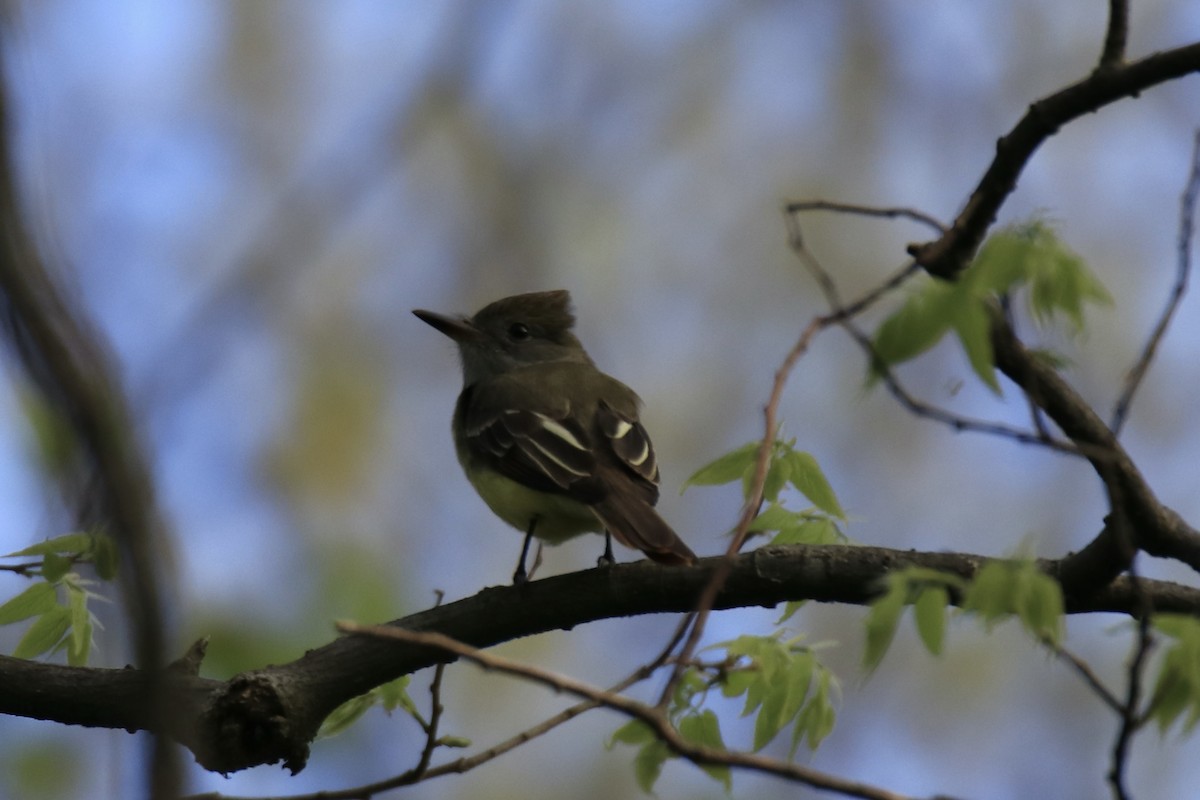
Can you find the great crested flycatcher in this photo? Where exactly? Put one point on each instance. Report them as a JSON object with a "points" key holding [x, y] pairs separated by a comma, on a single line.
{"points": [[552, 444]]}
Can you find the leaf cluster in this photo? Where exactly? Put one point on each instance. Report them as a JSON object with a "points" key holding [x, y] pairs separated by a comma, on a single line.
{"points": [[1027, 255], [1177, 686], [58, 602], [786, 466], [782, 682], [1001, 590]]}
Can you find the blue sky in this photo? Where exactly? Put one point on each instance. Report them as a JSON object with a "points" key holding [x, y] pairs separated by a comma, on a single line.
{"points": [[249, 199]]}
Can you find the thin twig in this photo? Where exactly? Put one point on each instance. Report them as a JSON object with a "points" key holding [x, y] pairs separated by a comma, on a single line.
{"points": [[1086, 673], [750, 510], [957, 422], [24, 570], [1116, 34], [888, 212], [838, 314], [1187, 214], [1131, 718], [435, 717], [652, 717]]}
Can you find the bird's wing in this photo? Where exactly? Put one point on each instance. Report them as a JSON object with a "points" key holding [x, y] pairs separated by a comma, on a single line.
{"points": [[554, 446], [626, 439]]}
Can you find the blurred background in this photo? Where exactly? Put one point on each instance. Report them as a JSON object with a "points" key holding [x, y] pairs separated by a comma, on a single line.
{"points": [[249, 199]]}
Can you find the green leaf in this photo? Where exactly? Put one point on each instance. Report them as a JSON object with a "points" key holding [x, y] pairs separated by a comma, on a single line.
{"points": [[705, 729], [394, 694], [805, 474], [882, 620], [1177, 626], [45, 632], [54, 567], [1017, 587], [453, 741], [778, 474], [770, 719], [929, 614], [691, 683], [79, 645], [1062, 284], [1040, 605], [1177, 686], [1000, 265], [820, 716], [36, 600], [1032, 252], [736, 681], [346, 715], [810, 531], [974, 329], [726, 469], [634, 732], [990, 595], [773, 518], [648, 763], [69, 543], [800, 676], [918, 325], [789, 609]]}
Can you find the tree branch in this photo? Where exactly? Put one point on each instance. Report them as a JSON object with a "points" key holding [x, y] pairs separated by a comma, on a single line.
{"points": [[1157, 529], [270, 715], [950, 253], [1116, 34]]}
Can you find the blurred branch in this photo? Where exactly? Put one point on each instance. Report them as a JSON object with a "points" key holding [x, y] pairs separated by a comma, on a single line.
{"points": [[1187, 216], [271, 714], [949, 254], [1129, 711], [887, 212], [1115, 35], [842, 315], [65, 359]]}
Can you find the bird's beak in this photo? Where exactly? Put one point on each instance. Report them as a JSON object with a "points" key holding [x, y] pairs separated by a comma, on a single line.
{"points": [[457, 328]]}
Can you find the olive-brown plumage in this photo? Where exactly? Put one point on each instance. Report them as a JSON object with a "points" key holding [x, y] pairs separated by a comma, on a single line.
{"points": [[553, 445]]}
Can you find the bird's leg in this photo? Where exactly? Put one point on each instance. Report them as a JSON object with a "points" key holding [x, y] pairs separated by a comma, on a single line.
{"points": [[537, 560], [520, 576], [606, 560]]}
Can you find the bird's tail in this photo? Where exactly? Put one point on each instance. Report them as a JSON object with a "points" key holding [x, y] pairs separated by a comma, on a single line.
{"points": [[634, 523]]}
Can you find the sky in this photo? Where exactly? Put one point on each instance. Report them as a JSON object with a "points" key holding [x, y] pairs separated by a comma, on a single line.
{"points": [[249, 199]]}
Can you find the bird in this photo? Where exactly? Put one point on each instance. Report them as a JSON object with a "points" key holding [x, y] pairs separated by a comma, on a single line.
{"points": [[553, 446]]}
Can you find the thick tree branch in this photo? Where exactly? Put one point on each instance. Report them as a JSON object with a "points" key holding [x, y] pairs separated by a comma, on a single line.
{"points": [[270, 715], [950, 253], [1155, 528], [1116, 35]]}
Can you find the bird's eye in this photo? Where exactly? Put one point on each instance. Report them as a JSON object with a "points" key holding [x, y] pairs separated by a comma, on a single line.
{"points": [[518, 331]]}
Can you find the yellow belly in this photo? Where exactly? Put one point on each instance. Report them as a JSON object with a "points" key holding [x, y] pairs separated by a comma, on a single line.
{"points": [[559, 518]]}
